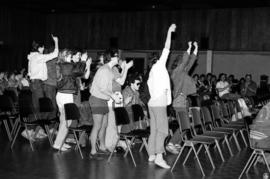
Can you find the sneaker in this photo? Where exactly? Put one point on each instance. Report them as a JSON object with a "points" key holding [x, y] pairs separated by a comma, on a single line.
{"points": [[71, 140], [66, 146], [30, 132], [53, 131], [162, 163], [63, 149], [172, 149], [151, 158]]}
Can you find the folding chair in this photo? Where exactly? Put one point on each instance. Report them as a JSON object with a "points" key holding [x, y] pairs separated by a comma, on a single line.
{"points": [[72, 113], [257, 152], [122, 118], [236, 127], [208, 122], [138, 116], [25, 110], [189, 141], [45, 107], [197, 119]]}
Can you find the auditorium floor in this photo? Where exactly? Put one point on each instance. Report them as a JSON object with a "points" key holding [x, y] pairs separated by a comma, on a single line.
{"points": [[43, 163]]}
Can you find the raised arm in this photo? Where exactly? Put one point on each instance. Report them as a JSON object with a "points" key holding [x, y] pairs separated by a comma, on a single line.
{"points": [[54, 54], [164, 56], [193, 57], [88, 64], [182, 63], [125, 69]]}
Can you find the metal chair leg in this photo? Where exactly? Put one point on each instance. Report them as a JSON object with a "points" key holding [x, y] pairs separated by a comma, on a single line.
{"points": [[15, 126], [131, 142], [178, 156], [189, 152], [209, 156], [236, 142], [198, 159], [29, 137], [219, 150], [228, 145], [252, 161], [7, 130], [265, 160], [247, 164], [77, 143], [109, 159], [48, 134], [130, 152], [243, 137], [15, 137]]}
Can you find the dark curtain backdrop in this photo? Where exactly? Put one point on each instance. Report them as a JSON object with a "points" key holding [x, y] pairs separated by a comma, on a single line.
{"points": [[18, 28], [216, 29]]}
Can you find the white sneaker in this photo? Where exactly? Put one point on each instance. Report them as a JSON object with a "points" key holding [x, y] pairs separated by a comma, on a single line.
{"points": [[151, 158], [162, 163], [63, 149], [66, 146], [30, 132], [71, 140]]}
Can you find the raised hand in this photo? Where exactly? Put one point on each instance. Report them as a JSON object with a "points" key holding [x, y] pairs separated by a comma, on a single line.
{"points": [[195, 44], [130, 64], [172, 28], [54, 38], [88, 61]]}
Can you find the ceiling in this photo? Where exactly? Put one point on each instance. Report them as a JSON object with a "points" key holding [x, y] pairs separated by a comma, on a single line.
{"points": [[128, 5]]}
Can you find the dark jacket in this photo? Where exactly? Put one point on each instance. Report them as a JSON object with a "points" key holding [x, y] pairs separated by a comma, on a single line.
{"points": [[68, 72]]}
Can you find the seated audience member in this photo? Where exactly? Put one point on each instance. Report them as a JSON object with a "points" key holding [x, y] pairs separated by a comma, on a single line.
{"points": [[3, 83], [131, 97], [250, 87], [223, 88]]}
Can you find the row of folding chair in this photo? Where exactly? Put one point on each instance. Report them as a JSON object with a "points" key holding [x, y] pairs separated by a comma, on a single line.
{"points": [[206, 128]]}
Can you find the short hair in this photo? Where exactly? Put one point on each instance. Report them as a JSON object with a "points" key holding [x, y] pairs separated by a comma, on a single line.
{"points": [[110, 53], [132, 78], [36, 45]]}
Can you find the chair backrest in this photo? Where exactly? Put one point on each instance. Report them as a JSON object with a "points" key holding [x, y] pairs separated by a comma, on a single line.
{"points": [[45, 105], [6, 104], [224, 109], [72, 111], [12, 94], [183, 120], [121, 116], [206, 115], [215, 112], [196, 116], [137, 112], [26, 107]]}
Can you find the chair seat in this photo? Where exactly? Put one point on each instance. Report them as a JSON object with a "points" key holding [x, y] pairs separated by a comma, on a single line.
{"points": [[202, 140], [140, 133], [233, 126], [39, 122], [86, 128], [224, 130], [214, 134]]}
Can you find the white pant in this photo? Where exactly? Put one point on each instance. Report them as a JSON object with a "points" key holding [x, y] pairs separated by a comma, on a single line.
{"points": [[61, 100]]}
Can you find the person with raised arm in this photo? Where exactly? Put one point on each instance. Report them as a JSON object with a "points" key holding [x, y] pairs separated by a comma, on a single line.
{"points": [[184, 85], [160, 92]]}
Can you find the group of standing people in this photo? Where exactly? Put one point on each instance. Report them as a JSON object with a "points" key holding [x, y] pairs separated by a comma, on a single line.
{"points": [[58, 75]]}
